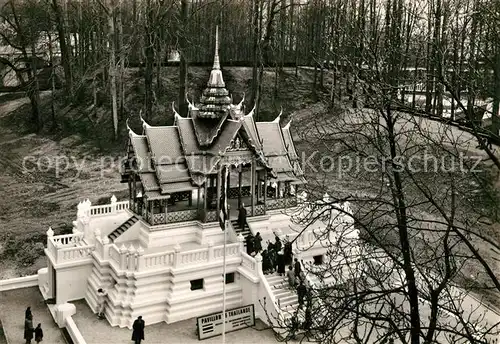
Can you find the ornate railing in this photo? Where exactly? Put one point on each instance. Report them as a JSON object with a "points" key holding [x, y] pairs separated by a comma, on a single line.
{"points": [[97, 210], [114, 254], [73, 253], [249, 262], [234, 192], [259, 209], [132, 259], [231, 250], [211, 216], [159, 260], [196, 256], [66, 240], [157, 219], [281, 203], [181, 216]]}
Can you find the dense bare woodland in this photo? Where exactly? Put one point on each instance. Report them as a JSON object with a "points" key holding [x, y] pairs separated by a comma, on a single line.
{"points": [[396, 80]]}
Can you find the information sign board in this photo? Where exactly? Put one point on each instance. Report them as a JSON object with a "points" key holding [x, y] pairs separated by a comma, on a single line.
{"points": [[236, 319]]}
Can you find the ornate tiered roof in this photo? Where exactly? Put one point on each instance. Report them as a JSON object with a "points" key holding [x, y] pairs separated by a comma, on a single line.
{"points": [[181, 157]]}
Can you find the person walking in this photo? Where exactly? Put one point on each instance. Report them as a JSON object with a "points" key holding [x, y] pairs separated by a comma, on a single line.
{"points": [[287, 249], [249, 241], [301, 293], [138, 330], [257, 244], [28, 313], [242, 216], [280, 263], [277, 242], [101, 301], [266, 262], [297, 269], [291, 277], [28, 329], [38, 333]]}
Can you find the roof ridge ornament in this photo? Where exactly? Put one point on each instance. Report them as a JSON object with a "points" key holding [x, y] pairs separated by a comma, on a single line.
{"points": [[176, 114], [241, 102], [287, 126], [250, 114], [130, 131], [216, 57], [277, 119], [144, 123]]}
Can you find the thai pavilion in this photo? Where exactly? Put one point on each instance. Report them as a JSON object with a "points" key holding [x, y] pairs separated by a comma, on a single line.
{"points": [[160, 253]]}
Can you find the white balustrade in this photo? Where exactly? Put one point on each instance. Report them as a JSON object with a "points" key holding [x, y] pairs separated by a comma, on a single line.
{"points": [[100, 209], [249, 262], [157, 260], [122, 205], [231, 250], [114, 254], [97, 210], [195, 256], [73, 253], [66, 240]]}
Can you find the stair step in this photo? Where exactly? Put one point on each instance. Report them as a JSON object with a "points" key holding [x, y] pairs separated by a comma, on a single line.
{"points": [[288, 303], [288, 298], [122, 228]]}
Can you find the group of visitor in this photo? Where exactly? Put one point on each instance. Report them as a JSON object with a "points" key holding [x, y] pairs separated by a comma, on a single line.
{"points": [[29, 330], [254, 243]]}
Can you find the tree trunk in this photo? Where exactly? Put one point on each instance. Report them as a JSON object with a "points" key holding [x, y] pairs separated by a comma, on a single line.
{"points": [[149, 52], [183, 106], [496, 94], [121, 49], [255, 54], [112, 66], [64, 46], [52, 83]]}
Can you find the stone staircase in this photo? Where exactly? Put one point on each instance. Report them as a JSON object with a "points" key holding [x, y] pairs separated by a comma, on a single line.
{"points": [[288, 302], [123, 227], [244, 231], [129, 297]]}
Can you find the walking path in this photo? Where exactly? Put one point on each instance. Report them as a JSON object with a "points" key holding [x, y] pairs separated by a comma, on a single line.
{"points": [[184, 332], [13, 304]]}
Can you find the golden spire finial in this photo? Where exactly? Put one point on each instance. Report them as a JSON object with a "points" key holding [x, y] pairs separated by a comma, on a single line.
{"points": [[216, 58]]}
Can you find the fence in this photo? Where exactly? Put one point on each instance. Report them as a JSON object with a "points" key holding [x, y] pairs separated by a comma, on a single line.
{"points": [[20, 282], [249, 262], [73, 331], [97, 210], [73, 253]]}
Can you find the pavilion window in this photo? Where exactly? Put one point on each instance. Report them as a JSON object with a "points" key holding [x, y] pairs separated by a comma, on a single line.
{"points": [[158, 206], [318, 260], [196, 284], [230, 278]]}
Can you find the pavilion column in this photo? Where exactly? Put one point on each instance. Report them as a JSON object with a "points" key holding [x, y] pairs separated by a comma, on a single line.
{"points": [[259, 187], [218, 184], [212, 188], [198, 199], [239, 185], [205, 194], [134, 194], [265, 192], [165, 201], [252, 187]]}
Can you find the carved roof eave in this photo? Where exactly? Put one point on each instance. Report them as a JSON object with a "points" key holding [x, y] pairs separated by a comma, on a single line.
{"points": [[250, 115], [217, 132]]}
